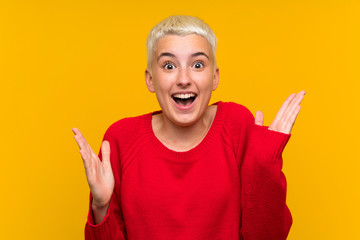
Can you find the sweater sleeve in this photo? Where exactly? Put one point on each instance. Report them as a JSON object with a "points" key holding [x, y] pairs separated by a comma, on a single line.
{"points": [[112, 227], [263, 207]]}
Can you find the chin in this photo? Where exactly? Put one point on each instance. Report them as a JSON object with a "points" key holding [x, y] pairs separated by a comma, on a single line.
{"points": [[184, 113], [186, 119]]}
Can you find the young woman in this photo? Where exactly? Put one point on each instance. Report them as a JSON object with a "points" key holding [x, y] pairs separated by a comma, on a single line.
{"points": [[190, 171]]}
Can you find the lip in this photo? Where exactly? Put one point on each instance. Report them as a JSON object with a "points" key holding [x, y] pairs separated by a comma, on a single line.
{"points": [[181, 107]]}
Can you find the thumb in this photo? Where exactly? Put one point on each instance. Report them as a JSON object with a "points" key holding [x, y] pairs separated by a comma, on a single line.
{"points": [[259, 118], [105, 152]]}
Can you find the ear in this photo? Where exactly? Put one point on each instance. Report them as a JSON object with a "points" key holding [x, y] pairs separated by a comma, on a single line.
{"points": [[149, 81], [216, 79]]}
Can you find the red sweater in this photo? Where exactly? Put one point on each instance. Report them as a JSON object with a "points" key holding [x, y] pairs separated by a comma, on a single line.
{"points": [[229, 187]]}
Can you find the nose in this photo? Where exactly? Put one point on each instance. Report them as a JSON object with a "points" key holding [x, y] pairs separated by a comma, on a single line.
{"points": [[184, 78]]}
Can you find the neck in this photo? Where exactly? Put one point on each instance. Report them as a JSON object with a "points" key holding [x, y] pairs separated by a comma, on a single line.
{"points": [[179, 138]]}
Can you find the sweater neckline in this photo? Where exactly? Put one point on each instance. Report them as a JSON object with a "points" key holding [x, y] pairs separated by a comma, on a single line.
{"points": [[192, 154]]}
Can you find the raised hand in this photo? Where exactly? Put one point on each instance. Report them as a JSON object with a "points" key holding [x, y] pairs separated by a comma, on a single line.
{"points": [[98, 173], [285, 118]]}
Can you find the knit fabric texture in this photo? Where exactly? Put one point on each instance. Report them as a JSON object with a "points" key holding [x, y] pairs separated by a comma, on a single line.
{"points": [[229, 187]]}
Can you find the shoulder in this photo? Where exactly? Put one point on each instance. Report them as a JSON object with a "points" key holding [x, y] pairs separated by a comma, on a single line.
{"points": [[237, 114], [238, 122], [126, 128]]}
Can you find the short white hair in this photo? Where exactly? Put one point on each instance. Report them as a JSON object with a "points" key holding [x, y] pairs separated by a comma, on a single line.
{"points": [[179, 25]]}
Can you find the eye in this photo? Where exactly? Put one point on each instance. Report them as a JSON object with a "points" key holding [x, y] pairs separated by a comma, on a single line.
{"points": [[169, 66], [198, 65]]}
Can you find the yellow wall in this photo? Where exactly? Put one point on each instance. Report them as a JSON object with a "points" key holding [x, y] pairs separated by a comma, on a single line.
{"points": [[81, 63]]}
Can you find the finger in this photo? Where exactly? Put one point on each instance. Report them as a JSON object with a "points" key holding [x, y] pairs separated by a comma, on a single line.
{"points": [[79, 138], [293, 105], [291, 122], [259, 118], [75, 131], [283, 108], [80, 142], [85, 158], [105, 152], [83, 149], [84, 146]]}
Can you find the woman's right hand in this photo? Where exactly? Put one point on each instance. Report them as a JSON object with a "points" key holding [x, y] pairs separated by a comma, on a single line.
{"points": [[98, 173]]}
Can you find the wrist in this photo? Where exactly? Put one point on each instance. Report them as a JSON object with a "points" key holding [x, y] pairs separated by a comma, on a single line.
{"points": [[99, 212], [99, 206], [267, 144]]}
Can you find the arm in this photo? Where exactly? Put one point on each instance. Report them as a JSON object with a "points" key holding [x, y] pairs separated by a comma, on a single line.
{"points": [[111, 227], [264, 211], [104, 218]]}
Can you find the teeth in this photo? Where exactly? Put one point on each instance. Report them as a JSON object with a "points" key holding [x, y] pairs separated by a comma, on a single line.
{"points": [[184, 96]]}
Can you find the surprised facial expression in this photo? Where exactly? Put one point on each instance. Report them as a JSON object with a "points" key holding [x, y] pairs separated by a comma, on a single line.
{"points": [[183, 77]]}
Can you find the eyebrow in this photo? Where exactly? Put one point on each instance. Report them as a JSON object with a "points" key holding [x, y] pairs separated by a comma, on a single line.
{"points": [[172, 55]]}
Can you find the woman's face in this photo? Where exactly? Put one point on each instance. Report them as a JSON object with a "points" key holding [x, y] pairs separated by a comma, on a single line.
{"points": [[183, 77]]}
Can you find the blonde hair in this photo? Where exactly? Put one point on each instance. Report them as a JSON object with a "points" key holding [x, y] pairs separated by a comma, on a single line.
{"points": [[179, 25]]}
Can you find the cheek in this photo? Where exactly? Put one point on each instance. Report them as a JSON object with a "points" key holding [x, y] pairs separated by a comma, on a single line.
{"points": [[205, 81], [163, 83]]}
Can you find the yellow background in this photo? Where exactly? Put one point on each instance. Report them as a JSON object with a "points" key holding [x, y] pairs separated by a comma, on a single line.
{"points": [[81, 63]]}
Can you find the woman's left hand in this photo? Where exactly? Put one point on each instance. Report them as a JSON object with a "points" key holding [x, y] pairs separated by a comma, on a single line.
{"points": [[285, 118]]}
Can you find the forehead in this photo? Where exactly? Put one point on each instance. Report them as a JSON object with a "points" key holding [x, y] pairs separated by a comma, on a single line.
{"points": [[182, 45]]}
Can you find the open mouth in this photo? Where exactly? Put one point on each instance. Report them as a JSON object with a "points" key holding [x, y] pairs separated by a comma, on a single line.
{"points": [[184, 98]]}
